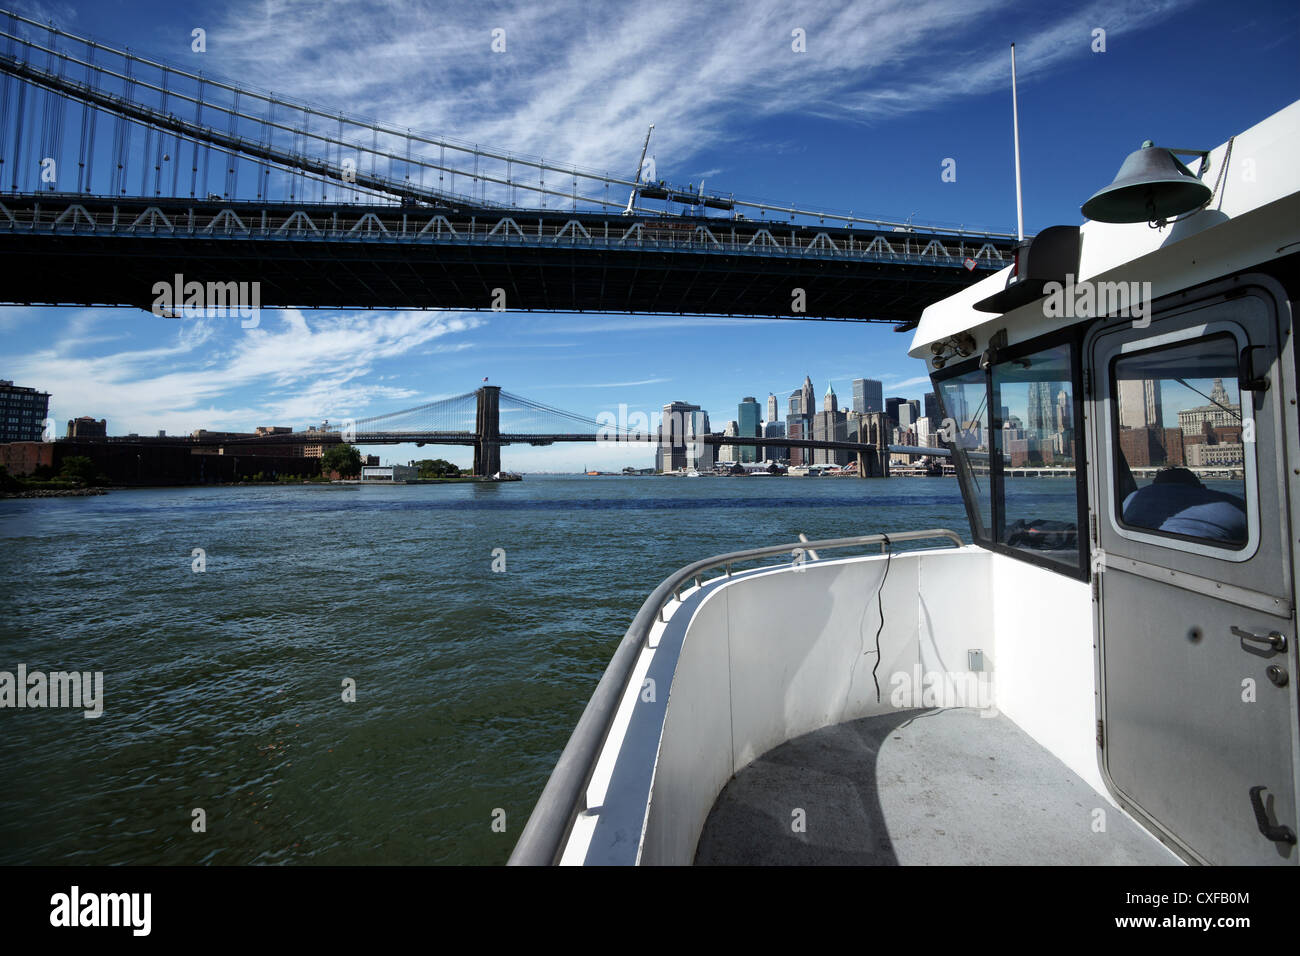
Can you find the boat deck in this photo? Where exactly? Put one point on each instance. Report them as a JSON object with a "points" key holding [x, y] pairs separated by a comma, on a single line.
{"points": [[918, 787]]}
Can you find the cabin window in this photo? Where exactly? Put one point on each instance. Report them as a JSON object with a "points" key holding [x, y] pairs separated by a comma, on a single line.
{"points": [[964, 398], [1036, 431], [1017, 443], [1181, 442]]}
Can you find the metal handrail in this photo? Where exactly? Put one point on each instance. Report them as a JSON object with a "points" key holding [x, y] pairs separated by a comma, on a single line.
{"points": [[564, 796]]}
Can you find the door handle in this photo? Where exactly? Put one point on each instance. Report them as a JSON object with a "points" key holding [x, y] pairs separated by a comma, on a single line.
{"points": [[1274, 831], [1273, 639]]}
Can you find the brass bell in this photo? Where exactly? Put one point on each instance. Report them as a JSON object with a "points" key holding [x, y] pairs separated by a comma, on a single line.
{"points": [[1151, 186]]}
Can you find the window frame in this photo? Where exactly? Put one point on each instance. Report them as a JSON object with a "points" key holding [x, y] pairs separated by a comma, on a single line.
{"points": [[964, 481], [1073, 338], [1250, 466]]}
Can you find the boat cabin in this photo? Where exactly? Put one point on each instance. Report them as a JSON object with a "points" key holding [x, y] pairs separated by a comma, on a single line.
{"points": [[1100, 670]]}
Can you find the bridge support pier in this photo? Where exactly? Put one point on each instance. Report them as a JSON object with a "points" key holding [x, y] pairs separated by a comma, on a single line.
{"points": [[487, 450], [487, 459], [873, 464]]}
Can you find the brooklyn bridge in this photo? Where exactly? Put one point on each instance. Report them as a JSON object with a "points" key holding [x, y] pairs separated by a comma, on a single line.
{"points": [[486, 420]]}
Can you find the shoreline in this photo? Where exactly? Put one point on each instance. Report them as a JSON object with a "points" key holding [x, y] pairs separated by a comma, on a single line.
{"points": [[54, 493]]}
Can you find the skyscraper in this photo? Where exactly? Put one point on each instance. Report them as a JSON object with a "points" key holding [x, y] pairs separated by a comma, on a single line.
{"points": [[794, 429], [932, 409], [830, 403], [891, 408], [1041, 412], [867, 395], [796, 403], [775, 429], [773, 415], [831, 424], [747, 421], [807, 397], [1139, 403], [908, 413], [681, 432], [727, 453]]}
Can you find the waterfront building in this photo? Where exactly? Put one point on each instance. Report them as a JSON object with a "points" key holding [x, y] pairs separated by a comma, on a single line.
{"points": [[699, 454], [932, 410], [794, 428], [1041, 412], [775, 429], [1221, 455], [853, 425], [1144, 447], [22, 412], [958, 408], [727, 453], [1064, 415], [317, 449], [798, 423], [1220, 413], [749, 423], [1138, 403], [908, 412], [830, 424], [868, 396], [681, 428], [389, 473], [903, 436], [87, 427], [829, 402], [891, 408]]}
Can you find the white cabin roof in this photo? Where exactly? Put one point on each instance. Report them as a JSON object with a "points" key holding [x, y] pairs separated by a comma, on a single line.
{"points": [[1254, 216]]}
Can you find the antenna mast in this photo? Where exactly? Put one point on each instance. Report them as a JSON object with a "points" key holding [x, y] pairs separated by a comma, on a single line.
{"points": [[1015, 131]]}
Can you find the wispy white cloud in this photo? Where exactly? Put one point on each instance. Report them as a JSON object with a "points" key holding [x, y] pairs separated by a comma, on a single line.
{"points": [[906, 383], [580, 86], [287, 370]]}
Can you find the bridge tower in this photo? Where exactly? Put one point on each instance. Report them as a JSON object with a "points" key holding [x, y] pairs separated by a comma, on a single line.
{"points": [[487, 448]]}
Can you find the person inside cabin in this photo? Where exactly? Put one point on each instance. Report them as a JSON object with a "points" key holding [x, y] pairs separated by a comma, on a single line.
{"points": [[1177, 502]]}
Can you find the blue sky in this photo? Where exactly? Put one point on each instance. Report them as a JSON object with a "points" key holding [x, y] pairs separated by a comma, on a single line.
{"points": [[862, 121]]}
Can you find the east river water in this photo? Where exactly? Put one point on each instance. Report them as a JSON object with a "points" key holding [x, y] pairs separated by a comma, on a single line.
{"points": [[223, 689]]}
